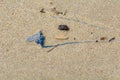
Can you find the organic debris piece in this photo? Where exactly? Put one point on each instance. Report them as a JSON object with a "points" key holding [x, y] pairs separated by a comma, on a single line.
{"points": [[102, 38], [63, 27], [42, 10], [58, 12], [112, 39], [55, 11]]}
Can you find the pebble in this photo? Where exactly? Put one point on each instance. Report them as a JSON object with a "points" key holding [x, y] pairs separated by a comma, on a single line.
{"points": [[61, 37], [63, 27]]}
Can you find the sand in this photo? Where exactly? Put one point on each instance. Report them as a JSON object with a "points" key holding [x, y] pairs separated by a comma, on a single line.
{"points": [[22, 60]]}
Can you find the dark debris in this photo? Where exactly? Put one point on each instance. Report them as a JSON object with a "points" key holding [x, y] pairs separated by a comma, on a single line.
{"points": [[42, 10], [112, 39]]}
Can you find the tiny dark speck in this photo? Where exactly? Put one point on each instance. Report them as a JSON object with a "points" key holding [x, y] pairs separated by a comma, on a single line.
{"points": [[96, 41], [42, 10], [51, 3], [74, 38], [91, 32]]}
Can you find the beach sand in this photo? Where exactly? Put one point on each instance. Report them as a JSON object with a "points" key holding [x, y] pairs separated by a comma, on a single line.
{"points": [[23, 60]]}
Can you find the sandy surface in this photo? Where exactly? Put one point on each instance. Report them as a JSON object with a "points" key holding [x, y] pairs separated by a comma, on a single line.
{"points": [[22, 60]]}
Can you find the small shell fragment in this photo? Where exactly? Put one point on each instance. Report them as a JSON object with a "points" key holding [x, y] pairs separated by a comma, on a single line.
{"points": [[61, 37]]}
